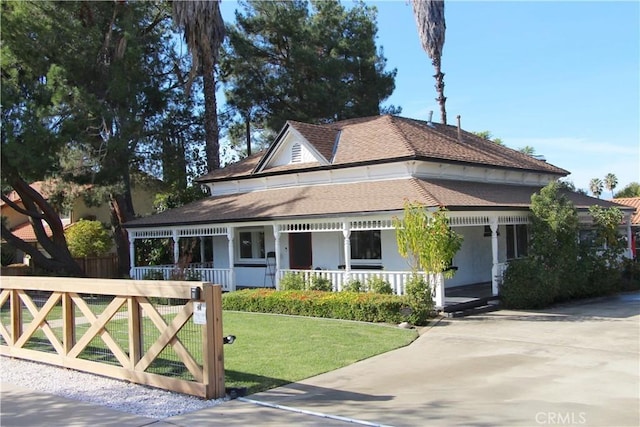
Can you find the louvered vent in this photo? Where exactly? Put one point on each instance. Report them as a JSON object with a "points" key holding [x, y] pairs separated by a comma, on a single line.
{"points": [[296, 153]]}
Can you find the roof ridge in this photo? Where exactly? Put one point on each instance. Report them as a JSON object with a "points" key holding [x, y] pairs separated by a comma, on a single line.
{"points": [[417, 184], [404, 138]]}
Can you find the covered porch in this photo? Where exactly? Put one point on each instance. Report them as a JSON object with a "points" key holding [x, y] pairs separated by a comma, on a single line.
{"points": [[260, 254]]}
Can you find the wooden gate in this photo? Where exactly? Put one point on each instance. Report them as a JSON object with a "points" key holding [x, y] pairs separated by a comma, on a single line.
{"points": [[135, 330]]}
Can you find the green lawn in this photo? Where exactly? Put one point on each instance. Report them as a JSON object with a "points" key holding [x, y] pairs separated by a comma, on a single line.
{"points": [[272, 350]]}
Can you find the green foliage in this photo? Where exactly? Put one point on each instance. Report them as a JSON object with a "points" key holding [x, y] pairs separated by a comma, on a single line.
{"points": [[378, 285], [153, 275], [353, 286], [427, 240], [292, 282], [88, 238], [558, 267], [319, 283], [291, 60], [420, 299], [631, 190], [153, 251], [367, 307]]}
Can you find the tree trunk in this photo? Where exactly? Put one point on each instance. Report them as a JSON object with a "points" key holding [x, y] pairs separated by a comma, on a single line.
{"points": [[439, 76], [247, 124], [210, 114], [39, 210], [122, 211]]}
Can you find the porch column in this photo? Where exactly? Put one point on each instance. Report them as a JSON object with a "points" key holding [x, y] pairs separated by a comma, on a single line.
{"points": [[232, 279], [202, 249], [276, 236], [437, 283], [132, 254], [629, 239], [176, 246], [346, 232], [495, 285]]}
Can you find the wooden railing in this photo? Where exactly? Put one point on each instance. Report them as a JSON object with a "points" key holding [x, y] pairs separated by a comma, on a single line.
{"points": [[221, 276], [61, 321]]}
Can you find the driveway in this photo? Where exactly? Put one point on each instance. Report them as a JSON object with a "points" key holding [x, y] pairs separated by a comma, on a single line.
{"points": [[576, 364]]}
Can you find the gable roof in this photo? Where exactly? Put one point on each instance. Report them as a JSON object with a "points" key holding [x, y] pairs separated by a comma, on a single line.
{"points": [[633, 202], [353, 199], [388, 138]]}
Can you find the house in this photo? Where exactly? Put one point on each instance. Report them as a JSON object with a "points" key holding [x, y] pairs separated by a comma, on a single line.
{"points": [[18, 223], [633, 202], [322, 198]]}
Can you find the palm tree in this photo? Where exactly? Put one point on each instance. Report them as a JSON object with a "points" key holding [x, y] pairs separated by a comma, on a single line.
{"points": [[429, 16], [610, 182], [204, 32], [595, 185]]}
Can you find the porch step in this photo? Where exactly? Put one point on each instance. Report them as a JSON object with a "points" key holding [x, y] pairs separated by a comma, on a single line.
{"points": [[475, 306]]}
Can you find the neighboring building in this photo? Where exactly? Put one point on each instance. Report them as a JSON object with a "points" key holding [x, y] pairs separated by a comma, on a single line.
{"points": [[633, 202], [322, 198], [18, 223]]}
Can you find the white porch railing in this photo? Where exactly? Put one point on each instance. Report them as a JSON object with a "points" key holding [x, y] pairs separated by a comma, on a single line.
{"points": [[217, 276], [339, 278]]}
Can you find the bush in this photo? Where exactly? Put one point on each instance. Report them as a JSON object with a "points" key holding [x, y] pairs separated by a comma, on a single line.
{"points": [[88, 238], [420, 300], [292, 282], [366, 307], [353, 286], [319, 283], [378, 285], [524, 286]]}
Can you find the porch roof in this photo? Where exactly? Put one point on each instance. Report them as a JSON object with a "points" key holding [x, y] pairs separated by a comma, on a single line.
{"points": [[351, 199]]}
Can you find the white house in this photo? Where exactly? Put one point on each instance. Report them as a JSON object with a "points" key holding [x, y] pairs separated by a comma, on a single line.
{"points": [[321, 200]]}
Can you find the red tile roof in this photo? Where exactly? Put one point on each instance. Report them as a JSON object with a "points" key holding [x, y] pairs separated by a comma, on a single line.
{"points": [[633, 202], [25, 232]]}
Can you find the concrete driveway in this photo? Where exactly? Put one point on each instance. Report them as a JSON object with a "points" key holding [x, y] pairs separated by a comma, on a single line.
{"points": [[570, 365]]}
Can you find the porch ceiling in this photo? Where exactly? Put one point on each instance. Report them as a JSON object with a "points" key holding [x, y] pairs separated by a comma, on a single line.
{"points": [[351, 198]]}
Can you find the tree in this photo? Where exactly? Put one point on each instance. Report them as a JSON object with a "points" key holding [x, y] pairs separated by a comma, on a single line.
{"points": [[84, 90], [428, 243], [88, 238], [610, 182], [631, 190], [528, 150], [485, 134], [595, 186], [204, 32], [291, 60], [431, 24]]}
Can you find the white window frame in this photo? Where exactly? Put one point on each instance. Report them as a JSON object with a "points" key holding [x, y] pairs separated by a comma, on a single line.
{"points": [[256, 250]]}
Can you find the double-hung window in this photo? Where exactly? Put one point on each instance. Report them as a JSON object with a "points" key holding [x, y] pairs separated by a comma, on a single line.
{"points": [[517, 241]]}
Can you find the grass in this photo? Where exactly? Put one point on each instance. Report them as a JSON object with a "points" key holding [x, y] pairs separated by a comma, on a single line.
{"points": [[272, 350]]}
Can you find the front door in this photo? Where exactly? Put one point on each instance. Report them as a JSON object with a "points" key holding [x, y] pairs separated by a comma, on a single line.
{"points": [[300, 257]]}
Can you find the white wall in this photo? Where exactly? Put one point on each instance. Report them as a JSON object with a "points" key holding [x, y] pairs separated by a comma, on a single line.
{"points": [[474, 260]]}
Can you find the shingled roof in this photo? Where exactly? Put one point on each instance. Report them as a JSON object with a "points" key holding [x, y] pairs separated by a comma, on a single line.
{"points": [[390, 138], [633, 202], [353, 198]]}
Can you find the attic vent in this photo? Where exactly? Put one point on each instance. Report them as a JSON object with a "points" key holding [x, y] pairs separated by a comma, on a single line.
{"points": [[296, 153]]}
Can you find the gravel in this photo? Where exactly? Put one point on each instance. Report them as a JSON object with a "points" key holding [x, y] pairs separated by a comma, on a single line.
{"points": [[115, 394]]}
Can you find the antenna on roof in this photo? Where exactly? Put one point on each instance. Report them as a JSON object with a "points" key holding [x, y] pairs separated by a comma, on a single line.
{"points": [[429, 122], [459, 129]]}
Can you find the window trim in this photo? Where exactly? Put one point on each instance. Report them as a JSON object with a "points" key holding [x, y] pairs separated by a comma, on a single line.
{"points": [[255, 231]]}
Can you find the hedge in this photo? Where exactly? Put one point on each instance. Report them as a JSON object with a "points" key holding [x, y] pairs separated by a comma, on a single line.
{"points": [[366, 307]]}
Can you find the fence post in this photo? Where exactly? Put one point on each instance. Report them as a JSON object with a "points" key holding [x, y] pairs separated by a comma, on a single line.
{"points": [[135, 332], [16, 316], [68, 323], [212, 343]]}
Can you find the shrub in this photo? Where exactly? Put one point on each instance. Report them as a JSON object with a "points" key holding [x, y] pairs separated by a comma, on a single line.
{"points": [[292, 282], [378, 285], [88, 238], [367, 307], [319, 283], [524, 286], [420, 300], [353, 286]]}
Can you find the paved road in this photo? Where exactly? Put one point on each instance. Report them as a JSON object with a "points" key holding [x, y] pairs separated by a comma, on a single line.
{"points": [[572, 365]]}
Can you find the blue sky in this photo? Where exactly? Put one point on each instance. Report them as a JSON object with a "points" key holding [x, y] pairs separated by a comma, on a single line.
{"points": [[561, 77]]}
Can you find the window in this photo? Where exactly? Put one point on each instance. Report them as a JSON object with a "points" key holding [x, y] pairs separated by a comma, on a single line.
{"points": [[366, 245], [517, 241], [296, 153], [251, 244]]}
